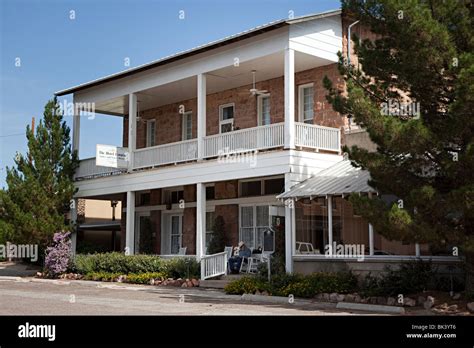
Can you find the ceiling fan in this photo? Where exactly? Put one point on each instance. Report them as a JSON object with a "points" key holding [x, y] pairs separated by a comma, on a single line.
{"points": [[254, 91]]}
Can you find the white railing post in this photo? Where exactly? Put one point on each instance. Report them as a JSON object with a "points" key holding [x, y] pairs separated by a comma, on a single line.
{"points": [[130, 224], [200, 220]]}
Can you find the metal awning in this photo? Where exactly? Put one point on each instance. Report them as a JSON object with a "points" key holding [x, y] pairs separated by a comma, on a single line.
{"points": [[339, 179]]}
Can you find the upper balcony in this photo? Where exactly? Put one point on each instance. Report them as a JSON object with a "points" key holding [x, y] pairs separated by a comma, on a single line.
{"points": [[203, 103]]}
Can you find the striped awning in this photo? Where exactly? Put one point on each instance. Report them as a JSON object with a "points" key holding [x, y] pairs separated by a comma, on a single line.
{"points": [[340, 179]]}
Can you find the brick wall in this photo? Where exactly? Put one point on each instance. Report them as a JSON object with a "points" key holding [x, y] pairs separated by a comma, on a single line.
{"points": [[169, 121]]}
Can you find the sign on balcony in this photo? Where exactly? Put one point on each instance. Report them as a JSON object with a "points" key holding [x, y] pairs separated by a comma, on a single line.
{"points": [[111, 156]]}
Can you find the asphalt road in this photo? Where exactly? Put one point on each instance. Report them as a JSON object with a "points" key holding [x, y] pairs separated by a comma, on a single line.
{"points": [[90, 298]]}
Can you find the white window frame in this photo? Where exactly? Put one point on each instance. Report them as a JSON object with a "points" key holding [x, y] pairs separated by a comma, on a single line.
{"points": [[180, 229], [260, 108], [301, 101], [221, 121], [149, 134], [184, 119], [254, 219]]}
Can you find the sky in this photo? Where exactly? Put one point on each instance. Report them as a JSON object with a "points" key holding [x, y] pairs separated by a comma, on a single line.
{"points": [[50, 45]]}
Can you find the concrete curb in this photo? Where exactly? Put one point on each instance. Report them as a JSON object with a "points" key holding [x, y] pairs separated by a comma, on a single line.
{"points": [[370, 308], [10, 278]]}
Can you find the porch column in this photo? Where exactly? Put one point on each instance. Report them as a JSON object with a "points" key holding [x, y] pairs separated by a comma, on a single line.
{"points": [[130, 224], [132, 128], [200, 220], [76, 128], [289, 98], [75, 226], [201, 113], [417, 250], [330, 236], [371, 239], [290, 230]]}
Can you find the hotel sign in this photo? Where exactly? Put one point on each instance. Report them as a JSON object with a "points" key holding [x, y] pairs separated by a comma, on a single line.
{"points": [[111, 156]]}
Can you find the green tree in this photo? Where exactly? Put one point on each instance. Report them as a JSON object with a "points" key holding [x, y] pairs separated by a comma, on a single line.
{"points": [[218, 240], [40, 185], [423, 50]]}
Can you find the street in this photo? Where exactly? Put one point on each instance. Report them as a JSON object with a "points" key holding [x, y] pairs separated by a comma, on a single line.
{"points": [[26, 297]]}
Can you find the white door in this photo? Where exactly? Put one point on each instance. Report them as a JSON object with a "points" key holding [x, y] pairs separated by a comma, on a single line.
{"points": [[176, 233]]}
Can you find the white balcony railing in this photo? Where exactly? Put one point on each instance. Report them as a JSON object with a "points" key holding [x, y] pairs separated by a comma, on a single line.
{"points": [[318, 137], [181, 151], [249, 139], [256, 138], [87, 168]]}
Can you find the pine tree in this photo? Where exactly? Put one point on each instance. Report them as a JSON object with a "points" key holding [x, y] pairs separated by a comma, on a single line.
{"points": [[423, 50], [40, 185]]}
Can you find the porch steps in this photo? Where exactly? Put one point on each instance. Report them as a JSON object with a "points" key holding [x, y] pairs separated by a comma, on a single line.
{"points": [[220, 282]]}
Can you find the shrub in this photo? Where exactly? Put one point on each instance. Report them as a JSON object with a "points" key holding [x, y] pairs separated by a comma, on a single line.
{"points": [[182, 267], [58, 255], [410, 277], [143, 278], [101, 276], [306, 286], [245, 285], [117, 263]]}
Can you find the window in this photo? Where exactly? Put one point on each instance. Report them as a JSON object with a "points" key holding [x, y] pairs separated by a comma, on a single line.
{"points": [[142, 198], [251, 188], [226, 118], [210, 193], [255, 227], [274, 186], [306, 103], [209, 227], [176, 196], [150, 133], [187, 125], [263, 105], [176, 233], [260, 187]]}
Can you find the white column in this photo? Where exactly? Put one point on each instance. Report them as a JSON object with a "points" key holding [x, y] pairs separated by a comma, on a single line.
{"points": [[417, 250], [371, 239], [289, 98], [200, 220], [201, 113], [289, 228], [330, 236], [76, 128], [130, 224], [75, 226], [132, 128]]}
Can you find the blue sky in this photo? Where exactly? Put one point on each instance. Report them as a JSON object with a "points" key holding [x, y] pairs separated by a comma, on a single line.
{"points": [[57, 52]]}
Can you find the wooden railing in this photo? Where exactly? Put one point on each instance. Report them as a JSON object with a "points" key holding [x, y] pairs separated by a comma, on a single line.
{"points": [[318, 137], [87, 168], [213, 265], [249, 139], [180, 151]]}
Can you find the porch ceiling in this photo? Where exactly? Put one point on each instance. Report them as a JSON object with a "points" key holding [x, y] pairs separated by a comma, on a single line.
{"points": [[267, 67]]}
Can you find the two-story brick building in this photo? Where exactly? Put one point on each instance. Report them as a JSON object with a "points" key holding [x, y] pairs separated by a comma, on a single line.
{"points": [[221, 130]]}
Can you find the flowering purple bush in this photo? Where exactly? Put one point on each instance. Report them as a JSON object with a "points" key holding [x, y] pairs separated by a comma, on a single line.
{"points": [[58, 255]]}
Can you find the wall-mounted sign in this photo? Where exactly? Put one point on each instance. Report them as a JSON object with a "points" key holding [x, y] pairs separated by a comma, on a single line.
{"points": [[111, 156]]}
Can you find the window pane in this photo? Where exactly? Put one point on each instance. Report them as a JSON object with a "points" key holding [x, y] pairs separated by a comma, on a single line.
{"points": [[246, 217], [251, 188], [274, 186], [308, 104], [226, 127], [210, 193], [265, 111], [262, 215], [227, 112]]}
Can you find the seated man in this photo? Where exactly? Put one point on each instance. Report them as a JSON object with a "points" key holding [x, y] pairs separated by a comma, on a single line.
{"points": [[236, 260]]}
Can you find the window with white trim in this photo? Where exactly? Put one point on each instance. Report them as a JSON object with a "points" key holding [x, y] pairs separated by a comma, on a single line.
{"points": [[306, 103], [209, 227], [187, 126], [150, 133], [226, 118], [263, 105]]}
